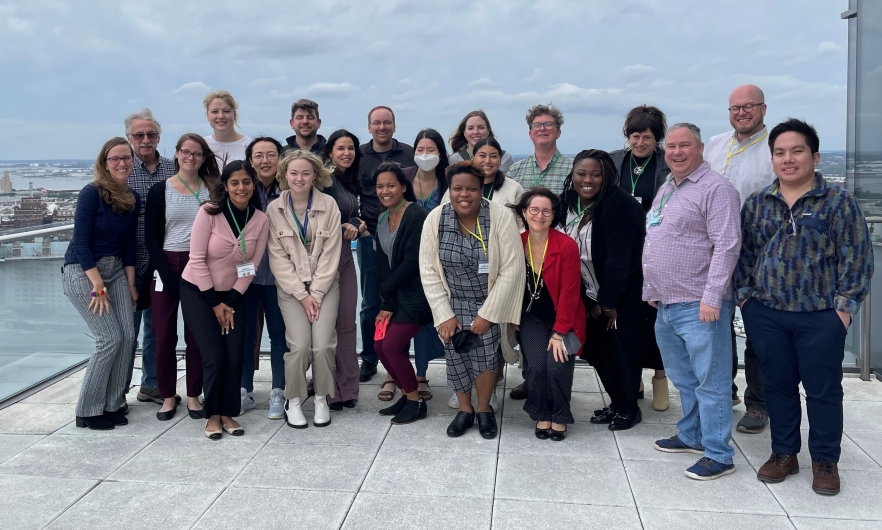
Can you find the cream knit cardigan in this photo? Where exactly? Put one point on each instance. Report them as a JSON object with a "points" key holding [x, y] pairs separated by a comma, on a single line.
{"points": [[507, 275]]}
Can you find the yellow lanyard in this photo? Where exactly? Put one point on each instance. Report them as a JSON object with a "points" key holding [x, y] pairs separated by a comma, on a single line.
{"points": [[537, 277], [730, 154], [479, 236]]}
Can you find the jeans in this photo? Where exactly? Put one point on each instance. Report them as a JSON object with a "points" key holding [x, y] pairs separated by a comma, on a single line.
{"points": [[255, 297], [697, 357], [427, 345], [369, 281], [148, 345], [800, 347]]}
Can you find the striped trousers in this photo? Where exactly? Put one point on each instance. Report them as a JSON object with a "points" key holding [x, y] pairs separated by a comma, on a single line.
{"points": [[106, 378]]}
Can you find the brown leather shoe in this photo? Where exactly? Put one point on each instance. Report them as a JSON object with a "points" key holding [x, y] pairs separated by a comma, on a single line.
{"points": [[777, 467], [826, 478]]}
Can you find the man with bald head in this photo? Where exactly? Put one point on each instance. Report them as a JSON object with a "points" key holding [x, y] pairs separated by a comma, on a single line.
{"points": [[743, 157]]}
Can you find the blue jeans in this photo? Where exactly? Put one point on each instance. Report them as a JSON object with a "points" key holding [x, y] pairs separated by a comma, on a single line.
{"points": [[698, 359], [255, 297], [148, 345], [427, 345], [369, 282]]}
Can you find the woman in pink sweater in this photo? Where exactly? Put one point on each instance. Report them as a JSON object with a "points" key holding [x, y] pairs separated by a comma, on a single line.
{"points": [[227, 242]]}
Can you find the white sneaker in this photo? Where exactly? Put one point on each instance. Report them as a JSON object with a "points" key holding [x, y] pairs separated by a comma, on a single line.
{"points": [[293, 415], [453, 402], [247, 400], [276, 404], [494, 403], [501, 381], [322, 416]]}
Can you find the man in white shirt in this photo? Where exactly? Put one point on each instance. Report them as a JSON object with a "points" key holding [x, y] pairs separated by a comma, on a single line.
{"points": [[743, 157]]}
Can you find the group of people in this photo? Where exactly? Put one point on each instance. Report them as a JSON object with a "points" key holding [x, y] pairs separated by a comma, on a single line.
{"points": [[631, 259]]}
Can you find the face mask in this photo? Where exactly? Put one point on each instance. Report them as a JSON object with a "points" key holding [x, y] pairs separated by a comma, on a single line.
{"points": [[426, 162]]}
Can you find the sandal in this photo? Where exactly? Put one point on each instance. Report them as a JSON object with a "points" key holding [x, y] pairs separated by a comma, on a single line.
{"points": [[426, 394], [387, 395]]}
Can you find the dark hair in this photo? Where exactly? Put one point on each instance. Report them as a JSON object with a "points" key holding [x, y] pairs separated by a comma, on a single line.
{"points": [[646, 117], [271, 189], [443, 162], [395, 169], [466, 166], [499, 179], [609, 174], [458, 141], [524, 202], [798, 126], [220, 196], [305, 104], [208, 171], [351, 178]]}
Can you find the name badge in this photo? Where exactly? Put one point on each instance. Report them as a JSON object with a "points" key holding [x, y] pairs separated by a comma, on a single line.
{"points": [[483, 267], [245, 269], [654, 218], [158, 286]]}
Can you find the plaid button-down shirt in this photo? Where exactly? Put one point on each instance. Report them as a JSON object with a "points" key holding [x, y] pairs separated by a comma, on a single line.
{"points": [[141, 180], [691, 254], [526, 172]]}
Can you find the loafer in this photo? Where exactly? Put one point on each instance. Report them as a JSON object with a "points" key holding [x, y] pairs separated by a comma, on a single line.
{"points": [[96, 423], [487, 425], [168, 414], [462, 422], [825, 479], [557, 436], [367, 371], [117, 417], [604, 415], [777, 468], [349, 403], [753, 422], [623, 422], [709, 469], [335, 406], [395, 409], [519, 392], [675, 445]]}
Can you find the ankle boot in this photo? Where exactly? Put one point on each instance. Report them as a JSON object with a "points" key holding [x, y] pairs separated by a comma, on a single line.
{"points": [[96, 423], [661, 398], [412, 411], [293, 415], [396, 408], [322, 416]]}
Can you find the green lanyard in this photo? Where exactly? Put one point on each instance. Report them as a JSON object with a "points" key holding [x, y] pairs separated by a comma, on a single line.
{"points": [[387, 213], [664, 200], [193, 193], [241, 235], [488, 194], [580, 211], [637, 171], [542, 173]]}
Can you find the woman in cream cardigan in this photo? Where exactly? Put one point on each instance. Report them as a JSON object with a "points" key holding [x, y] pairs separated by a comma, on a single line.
{"points": [[472, 270], [304, 247]]}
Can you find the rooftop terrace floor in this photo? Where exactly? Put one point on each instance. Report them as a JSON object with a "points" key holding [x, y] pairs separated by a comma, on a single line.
{"points": [[361, 472]]}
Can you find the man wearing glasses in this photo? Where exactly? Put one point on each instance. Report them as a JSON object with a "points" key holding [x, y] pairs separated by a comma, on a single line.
{"points": [[742, 157], [546, 167], [382, 148], [306, 122], [804, 269], [142, 131]]}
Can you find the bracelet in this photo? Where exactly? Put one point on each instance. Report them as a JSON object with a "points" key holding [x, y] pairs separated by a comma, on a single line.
{"points": [[556, 338], [99, 292]]}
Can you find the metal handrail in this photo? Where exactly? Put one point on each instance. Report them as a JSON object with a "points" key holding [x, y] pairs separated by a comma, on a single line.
{"points": [[44, 230]]}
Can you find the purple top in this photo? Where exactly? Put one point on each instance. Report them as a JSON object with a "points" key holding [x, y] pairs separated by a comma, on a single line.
{"points": [[691, 254]]}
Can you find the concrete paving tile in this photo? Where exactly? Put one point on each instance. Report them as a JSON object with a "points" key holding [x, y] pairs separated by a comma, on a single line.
{"points": [[657, 519], [805, 523], [351, 428], [277, 508], [180, 461], [307, 467], [12, 444], [64, 391], [584, 378], [757, 448], [258, 428], [638, 443], [432, 473], [36, 418], [857, 390], [431, 433], [151, 505], [868, 442], [430, 513], [666, 417], [142, 422], [31, 502], [862, 416], [91, 457], [583, 439], [582, 405], [516, 515], [571, 480], [856, 500]]}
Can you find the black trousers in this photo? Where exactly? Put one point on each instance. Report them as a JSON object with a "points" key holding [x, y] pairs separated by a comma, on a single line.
{"points": [[793, 348], [617, 358], [222, 355], [550, 382], [754, 393]]}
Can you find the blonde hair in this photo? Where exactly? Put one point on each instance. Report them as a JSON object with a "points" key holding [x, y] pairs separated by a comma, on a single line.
{"points": [[114, 193], [228, 99], [322, 174]]}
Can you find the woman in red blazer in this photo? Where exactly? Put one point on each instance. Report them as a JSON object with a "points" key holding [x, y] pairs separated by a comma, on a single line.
{"points": [[552, 329]]}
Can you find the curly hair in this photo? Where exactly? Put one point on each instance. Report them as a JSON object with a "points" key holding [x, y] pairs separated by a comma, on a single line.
{"points": [[609, 174], [114, 193], [550, 110], [466, 166]]}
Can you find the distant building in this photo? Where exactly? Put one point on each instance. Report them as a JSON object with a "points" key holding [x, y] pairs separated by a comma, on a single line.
{"points": [[6, 183], [29, 212]]}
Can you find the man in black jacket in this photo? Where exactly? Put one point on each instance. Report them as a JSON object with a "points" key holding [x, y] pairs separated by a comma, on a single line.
{"points": [[306, 122], [382, 148]]}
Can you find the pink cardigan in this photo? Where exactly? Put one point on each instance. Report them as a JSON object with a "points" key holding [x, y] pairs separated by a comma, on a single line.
{"points": [[215, 251]]}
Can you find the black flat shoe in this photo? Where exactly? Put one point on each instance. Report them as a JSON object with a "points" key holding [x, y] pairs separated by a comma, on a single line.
{"points": [[367, 371], [557, 436], [623, 422], [542, 434], [167, 415], [335, 406], [196, 414], [604, 415], [395, 409], [412, 411], [519, 392], [349, 403], [487, 425], [96, 423], [117, 417], [462, 422]]}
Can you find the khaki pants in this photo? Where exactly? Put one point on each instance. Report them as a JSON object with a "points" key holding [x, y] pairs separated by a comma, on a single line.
{"points": [[317, 341]]}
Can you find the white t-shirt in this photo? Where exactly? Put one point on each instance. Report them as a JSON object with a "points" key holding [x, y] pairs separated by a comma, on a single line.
{"points": [[226, 152], [749, 170]]}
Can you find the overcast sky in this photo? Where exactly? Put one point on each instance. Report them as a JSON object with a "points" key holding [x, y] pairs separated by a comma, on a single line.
{"points": [[70, 72]]}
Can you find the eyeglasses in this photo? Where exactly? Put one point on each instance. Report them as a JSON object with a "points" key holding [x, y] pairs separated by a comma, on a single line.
{"points": [[542, 125], [387, 123], [534, 210], [141, 136], [117, 159], [186, 153], [269, 157], [735, 109], [791, 227]]}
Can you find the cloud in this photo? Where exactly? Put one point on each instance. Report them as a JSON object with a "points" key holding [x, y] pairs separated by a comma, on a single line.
{"points": [[268, 81], [824, 49], [537, 75], [481, 81], [638, 69], [194, 86], [410, 94], [316, 91]]}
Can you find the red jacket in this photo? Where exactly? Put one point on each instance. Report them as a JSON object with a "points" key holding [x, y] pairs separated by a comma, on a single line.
{"points": [[562, 272]]}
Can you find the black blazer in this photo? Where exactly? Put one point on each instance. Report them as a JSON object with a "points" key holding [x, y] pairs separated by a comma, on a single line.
{"points": [[400, 287], [661, 167], [154, 237]]}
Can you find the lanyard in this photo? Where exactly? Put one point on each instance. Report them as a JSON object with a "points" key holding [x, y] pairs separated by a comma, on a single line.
{"points": [[301, 227], [241, 235], [536, 276], [488, 194], [193, 193], [543, 173], [580, 212], [479, 236], [468, 153], [664, 200], [387, 213], [730, 154], [423, 202], [637, 171]]}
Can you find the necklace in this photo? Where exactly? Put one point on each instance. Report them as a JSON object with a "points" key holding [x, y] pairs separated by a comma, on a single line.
{"points": [[638, 170]]}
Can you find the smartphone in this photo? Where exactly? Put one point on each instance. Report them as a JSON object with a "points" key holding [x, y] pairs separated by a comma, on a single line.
{"points": [[380, 330]]}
